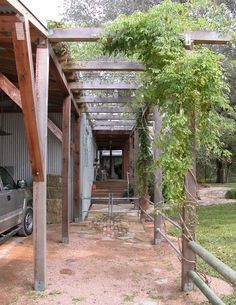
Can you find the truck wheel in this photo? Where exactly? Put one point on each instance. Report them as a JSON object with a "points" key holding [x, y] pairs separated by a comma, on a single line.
{"points": [[27, 224]]}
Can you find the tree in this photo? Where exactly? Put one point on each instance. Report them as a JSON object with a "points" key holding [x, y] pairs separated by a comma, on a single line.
{"points": [[97, 12]]}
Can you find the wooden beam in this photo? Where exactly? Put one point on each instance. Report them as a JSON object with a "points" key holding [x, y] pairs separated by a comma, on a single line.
{"points": [[61, 79], [55, 130], [109, 110], [102, 86], [76, 34], [40, 188], [207, 37], [10, 89], [76, 167], [14, 93], [101, 117], [93, 34], [20, 8], [103, 66], [66, 181], [106, 133], [114, 123], [6, 25], [25, 73], [104, 100], [111, 128]]}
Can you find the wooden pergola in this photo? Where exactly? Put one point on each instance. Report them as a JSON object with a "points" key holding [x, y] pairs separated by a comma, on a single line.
{"points": [[33, 78]]}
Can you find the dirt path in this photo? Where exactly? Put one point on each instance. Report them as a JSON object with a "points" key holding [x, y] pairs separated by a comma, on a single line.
{"points": [[98, 267], [214, 195]]}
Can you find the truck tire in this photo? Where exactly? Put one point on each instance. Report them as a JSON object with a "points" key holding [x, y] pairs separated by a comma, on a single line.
{"points": [[27, 224]]}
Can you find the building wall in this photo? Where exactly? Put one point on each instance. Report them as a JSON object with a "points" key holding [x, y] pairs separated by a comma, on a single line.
{"points": [[14, 151], [87, 156], [14, 154]]}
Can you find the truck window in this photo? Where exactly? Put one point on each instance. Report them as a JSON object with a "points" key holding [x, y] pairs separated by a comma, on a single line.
{"points": [[7, 180]]}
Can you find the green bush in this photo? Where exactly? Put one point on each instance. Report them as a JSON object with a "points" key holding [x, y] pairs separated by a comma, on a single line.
{"points": [[231, 194]]}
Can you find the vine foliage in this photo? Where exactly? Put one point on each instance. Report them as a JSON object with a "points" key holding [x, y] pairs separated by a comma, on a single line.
{"points": [[185, 86]]}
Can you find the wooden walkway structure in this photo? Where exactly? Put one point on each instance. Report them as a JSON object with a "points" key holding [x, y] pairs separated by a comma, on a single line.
{"points": [[32, 77]]}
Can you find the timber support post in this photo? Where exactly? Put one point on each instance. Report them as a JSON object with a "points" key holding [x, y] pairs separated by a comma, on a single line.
{"points": [[76, 169], [189, 219], [158, 179], [66, 180], [40, 188]]}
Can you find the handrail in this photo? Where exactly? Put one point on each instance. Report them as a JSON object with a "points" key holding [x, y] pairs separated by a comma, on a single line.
{"points": [[210, 295], [167, 218], [227, 272]]}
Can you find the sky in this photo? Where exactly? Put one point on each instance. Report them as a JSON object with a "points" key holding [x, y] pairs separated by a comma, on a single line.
{"points": [[45, 9]]}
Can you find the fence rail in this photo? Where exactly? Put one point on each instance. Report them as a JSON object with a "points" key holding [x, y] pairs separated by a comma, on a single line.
{"points": [[223, 269]]}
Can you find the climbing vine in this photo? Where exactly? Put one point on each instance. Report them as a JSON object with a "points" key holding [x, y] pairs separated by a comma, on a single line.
{"points": [[188, 88]]}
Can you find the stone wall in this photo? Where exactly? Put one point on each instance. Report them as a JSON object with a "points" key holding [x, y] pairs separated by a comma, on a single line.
{"points": [[54, 201]]}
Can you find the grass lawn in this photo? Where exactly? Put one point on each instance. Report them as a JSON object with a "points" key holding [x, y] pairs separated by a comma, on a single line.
{"points": [[216, 231]]}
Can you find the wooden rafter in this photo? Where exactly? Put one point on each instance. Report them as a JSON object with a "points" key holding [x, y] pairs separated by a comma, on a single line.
{"points": [[108, 110], [93, 34], [14, 93], [113, 123], [77, 34], [102, 86], [104, 100], [111, 128], [103, 66], [99, 117]]}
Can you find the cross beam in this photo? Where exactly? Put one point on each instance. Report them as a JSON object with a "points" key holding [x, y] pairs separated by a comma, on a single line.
{"points": [[108, 110], [14, 93], [77, 86], [94, 34], [103, 66], [104, 100]]}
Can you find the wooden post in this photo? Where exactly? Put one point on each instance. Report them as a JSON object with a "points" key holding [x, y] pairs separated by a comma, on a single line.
{"points": [[39, 188], [76, 169], [158, 179], [25, 72], [189, 219], [131, 157], [66, 181], [110, 174]]}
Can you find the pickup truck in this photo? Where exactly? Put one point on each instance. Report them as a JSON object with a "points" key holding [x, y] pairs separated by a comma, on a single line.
{"points": [[16, 207]]}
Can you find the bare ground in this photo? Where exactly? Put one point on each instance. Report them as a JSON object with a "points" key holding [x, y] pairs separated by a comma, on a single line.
{"points": [[213, 195], [98, 267]]}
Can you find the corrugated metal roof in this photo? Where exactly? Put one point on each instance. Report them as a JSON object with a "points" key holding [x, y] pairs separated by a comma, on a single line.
{"points": [[5, 9]]}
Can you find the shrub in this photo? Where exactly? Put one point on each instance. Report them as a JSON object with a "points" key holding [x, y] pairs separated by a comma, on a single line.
{"points": [[231, 194]]}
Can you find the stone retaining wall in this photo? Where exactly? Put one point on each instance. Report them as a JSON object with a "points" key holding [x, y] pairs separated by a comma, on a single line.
{"points": [[54, 201]]}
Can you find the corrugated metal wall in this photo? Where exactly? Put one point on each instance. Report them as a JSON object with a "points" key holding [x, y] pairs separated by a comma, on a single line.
{"points": [[14, 150], [14, 154], [87, 156]]}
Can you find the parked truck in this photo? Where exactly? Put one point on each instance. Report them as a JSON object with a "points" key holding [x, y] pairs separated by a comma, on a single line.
{"points": [[16, 207]]}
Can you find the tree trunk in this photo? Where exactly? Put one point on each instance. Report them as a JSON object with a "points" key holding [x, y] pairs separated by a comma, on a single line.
{"points": [[219, 171]]}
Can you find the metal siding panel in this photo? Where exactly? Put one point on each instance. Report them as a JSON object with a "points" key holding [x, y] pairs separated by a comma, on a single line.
{"points": [[14, 150]]}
